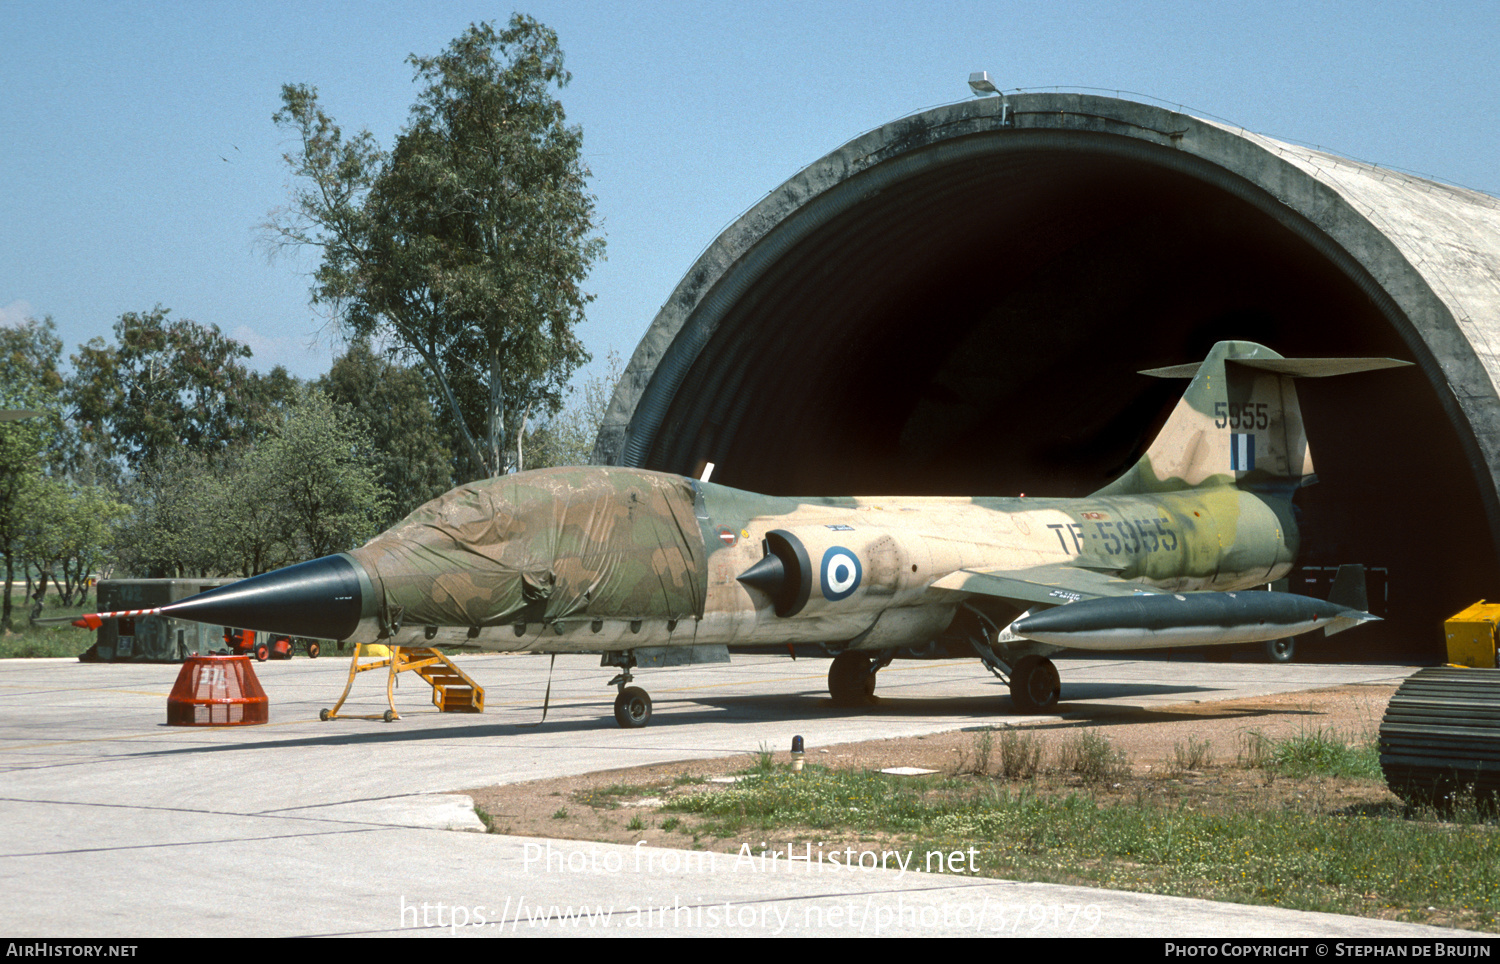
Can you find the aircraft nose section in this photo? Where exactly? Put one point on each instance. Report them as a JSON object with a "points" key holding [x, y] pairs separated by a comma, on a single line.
{"points": [[321, 599]]}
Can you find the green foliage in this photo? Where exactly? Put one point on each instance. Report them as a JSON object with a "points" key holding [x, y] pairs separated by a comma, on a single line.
{"points": [[29, 381], [815, 798], [46, 642], [1297, 857], [568, 437], [469, 241], [306, 489], [1325, 753], [410, 461], [322, 477], [1091, 756], [164, 384], [1193, 755], [67, 527], [29, 356], [1020, 755], [20, 474], [172, 528]]}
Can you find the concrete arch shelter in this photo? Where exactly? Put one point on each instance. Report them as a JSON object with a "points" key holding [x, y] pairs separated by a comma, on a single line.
{"points": [[958, 303]]}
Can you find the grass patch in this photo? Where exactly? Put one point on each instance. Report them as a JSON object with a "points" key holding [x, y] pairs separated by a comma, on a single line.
{"points": [[32, 642], [1152, 834], [1091, 756], [1195, 754], [1323, 753], [608, 797], [1020, 755]]}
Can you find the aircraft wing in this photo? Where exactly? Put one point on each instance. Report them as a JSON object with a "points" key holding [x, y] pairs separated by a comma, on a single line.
{"points": [[1055, 584]]}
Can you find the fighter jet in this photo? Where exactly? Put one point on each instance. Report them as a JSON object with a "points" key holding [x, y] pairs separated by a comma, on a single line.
{"points": [[651, 569]]}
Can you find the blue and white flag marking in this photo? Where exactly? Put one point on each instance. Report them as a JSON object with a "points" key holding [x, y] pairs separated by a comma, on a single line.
{"points": [[1241, 452]]}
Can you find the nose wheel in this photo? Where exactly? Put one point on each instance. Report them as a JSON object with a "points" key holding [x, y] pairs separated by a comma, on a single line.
{"points": [[632, 707], [851, 678], [632, 704]]}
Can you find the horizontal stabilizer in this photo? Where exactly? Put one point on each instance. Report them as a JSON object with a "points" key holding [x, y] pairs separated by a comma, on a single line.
{"points": [[1294, 367], [1237, 423]]}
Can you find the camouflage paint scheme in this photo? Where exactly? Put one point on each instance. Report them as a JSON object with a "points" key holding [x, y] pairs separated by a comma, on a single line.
{"points": [[611, 559], [543, 547]]}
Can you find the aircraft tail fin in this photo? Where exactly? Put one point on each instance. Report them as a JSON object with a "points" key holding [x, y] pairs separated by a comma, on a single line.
{"points": [[1238, 423]]}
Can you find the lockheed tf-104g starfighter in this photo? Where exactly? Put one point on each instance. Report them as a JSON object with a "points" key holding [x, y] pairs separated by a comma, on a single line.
{"points": [[651, 569]]}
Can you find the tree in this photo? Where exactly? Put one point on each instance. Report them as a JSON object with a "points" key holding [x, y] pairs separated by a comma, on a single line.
{"points": [[29, 380], [95, 515], [20, 473], [411, 463], [470, 240], [177, 515], [306, 489], [568, 438], [166, 384], [323, 477]]}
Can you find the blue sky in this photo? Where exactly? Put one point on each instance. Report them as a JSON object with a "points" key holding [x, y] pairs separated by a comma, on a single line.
{"points": [[137, 153]]}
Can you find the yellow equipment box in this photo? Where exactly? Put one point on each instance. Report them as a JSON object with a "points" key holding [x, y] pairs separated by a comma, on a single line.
{"points": [[1471, 635]]}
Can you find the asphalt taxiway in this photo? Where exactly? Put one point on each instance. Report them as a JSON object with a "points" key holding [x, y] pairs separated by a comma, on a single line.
{"points": [[117, 825]]}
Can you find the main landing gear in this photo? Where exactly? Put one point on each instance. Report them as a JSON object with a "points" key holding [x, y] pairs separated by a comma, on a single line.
{"points": [[1034, 684], [851, 678]]}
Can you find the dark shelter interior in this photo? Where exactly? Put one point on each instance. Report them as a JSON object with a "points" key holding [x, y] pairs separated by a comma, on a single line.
{"points": [[977, 328]]}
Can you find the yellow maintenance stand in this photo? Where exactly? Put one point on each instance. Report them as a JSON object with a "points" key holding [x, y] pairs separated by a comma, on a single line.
{"points": [[453, 691], [1471, 636]]}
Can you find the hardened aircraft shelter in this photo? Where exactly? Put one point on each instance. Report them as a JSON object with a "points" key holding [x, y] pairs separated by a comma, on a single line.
{"points": [[958, 302]]}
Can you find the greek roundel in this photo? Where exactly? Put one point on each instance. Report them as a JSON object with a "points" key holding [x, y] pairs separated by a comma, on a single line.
{"points": [[840, 573]]}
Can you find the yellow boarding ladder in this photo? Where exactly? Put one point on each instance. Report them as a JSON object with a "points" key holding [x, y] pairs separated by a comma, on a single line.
{"points": [[453, 691]]}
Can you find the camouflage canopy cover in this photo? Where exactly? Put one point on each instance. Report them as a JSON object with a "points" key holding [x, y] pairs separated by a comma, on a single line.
{"points": [[543, 546]]}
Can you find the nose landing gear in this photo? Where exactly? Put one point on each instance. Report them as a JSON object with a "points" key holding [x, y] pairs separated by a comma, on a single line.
{"points": [[632, 704], [632, 707], [851, 678]]}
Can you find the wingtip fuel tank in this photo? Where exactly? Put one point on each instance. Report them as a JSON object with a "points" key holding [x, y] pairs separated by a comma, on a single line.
{"points": [[1166, 620]]}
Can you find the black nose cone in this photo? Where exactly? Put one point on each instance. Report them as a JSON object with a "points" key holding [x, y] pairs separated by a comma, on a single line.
{"points": [[321, 599]]}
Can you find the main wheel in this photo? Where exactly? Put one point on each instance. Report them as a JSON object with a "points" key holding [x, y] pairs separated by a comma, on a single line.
{"points": [[633, 707], [313, 650], [850, 681], [1034, 685], [1281, 650]]}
